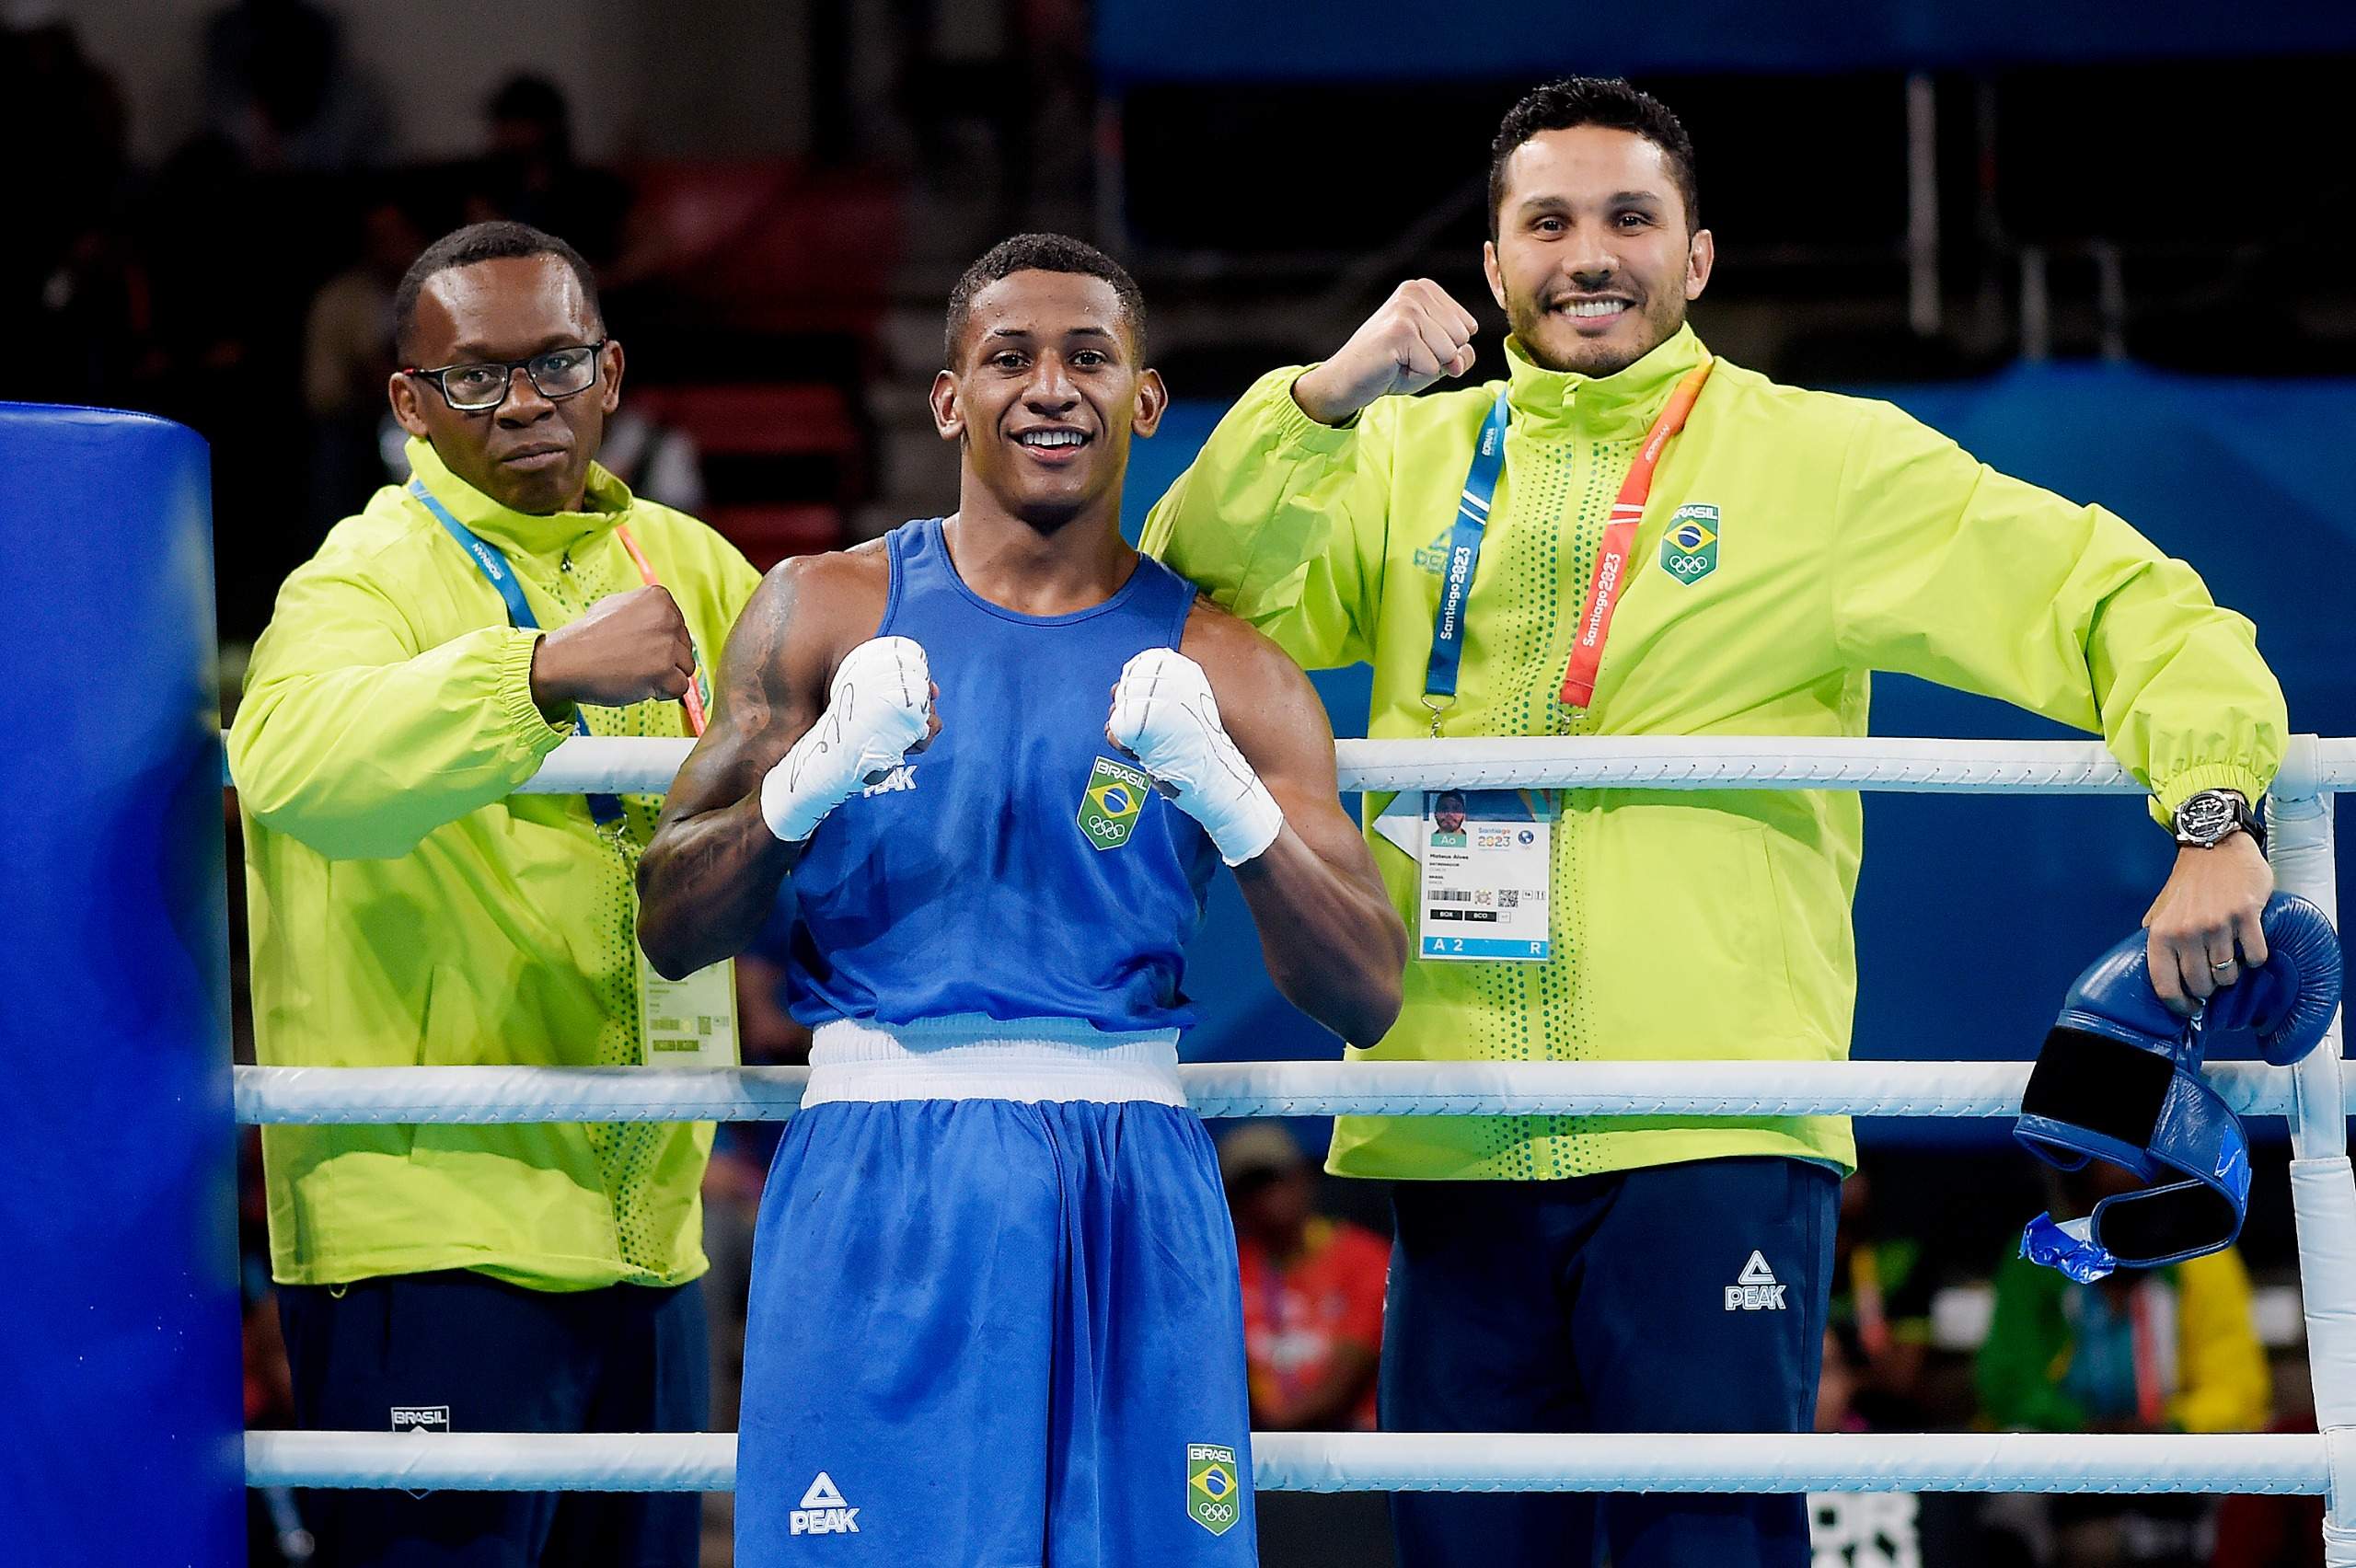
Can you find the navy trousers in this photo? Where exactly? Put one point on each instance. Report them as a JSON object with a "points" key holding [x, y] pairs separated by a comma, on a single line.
{"points": [[461, 1351], [1672, 1299]]}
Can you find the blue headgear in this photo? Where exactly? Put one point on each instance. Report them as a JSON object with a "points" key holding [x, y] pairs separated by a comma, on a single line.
{"points": [[2118, 1079]]}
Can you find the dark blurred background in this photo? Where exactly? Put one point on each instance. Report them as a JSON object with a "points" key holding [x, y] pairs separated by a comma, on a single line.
{"points": [[2105, 245]]}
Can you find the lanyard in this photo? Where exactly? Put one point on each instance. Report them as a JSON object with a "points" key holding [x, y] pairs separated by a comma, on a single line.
{"points": [[604, 809], [1611, 557], [1463, 554], [1620, 537]]}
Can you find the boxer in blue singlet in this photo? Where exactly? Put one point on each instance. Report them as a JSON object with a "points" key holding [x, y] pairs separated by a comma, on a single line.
{"points": [[995, 1318]]}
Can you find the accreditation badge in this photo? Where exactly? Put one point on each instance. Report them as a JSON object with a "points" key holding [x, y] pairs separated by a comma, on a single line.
{"points": [[1486, 856], [689, 1022]]}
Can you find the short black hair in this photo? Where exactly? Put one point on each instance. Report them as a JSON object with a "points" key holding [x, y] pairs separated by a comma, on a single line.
{"points": [[1607, 101], [1447, 795], [1042, 253], [496, 241]]}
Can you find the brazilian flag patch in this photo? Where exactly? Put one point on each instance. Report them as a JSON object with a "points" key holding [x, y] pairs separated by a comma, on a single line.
{"points": [[1689, 550], [1109, 808], [1212, 1489]]}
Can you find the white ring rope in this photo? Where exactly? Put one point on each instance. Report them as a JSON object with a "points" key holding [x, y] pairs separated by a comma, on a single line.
{"points": [[601, 764], [480, 1095], [1386, 1461]]}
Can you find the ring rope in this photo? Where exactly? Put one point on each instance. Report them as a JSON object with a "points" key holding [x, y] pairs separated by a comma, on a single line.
{"points": [[1388, 1461], [607, 765], [317, 1096], [630, 766]]}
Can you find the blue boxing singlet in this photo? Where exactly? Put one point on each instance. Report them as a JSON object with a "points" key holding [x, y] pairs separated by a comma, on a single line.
{"points": [[994, 1311], [1020, 867]]}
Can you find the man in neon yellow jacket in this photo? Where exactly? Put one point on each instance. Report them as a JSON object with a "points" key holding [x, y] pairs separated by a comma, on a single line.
{"points": [[408, 908], [1659, 1273]]}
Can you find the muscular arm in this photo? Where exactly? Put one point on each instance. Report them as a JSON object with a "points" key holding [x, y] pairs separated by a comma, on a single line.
{"points": [[1333, 944], [708, 877]]}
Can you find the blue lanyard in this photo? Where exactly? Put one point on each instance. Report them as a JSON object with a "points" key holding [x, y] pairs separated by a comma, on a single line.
{"points": [[605, 810], [1463, 554]]}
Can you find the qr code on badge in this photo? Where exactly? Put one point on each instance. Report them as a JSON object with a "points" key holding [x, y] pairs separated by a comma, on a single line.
{"points": [[1509, 898]]}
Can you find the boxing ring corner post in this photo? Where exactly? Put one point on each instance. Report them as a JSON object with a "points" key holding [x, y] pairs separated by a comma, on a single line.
{"points": [[120, 1207], [2323, 1188]]}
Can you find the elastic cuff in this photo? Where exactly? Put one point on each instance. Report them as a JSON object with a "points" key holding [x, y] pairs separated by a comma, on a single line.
{"points": [[2167, 796], [1293, 423], [532, 727]]}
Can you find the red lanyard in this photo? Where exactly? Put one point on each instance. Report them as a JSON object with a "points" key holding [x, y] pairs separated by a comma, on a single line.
{"points": [[1619, 538], [693, 700]]}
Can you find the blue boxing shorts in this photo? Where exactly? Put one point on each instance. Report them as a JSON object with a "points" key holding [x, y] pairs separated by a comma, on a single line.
{"points": [[995, 1317]]}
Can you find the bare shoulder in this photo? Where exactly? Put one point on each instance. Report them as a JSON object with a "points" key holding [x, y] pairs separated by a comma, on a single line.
{"points": [[1264, 699], [1229, 649], [820, 605]]}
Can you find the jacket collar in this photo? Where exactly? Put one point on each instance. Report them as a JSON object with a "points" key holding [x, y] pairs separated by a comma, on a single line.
{"points": [[1558, 404], [607, 505]]}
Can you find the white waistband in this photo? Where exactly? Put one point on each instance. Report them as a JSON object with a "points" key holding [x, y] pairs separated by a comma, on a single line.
{"points": [[972, 1058]]}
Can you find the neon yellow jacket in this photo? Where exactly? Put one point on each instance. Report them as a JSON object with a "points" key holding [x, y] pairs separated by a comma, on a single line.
{"points": [[1846, 537], [407, 909]]}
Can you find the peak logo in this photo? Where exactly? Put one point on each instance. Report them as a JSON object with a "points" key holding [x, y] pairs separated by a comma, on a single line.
{"points": [[823, 1511], [1754, 1289]]}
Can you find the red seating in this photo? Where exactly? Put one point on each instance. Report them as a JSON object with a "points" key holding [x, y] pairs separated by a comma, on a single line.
{"points": [[769, 534], [770, 247], [809, 420]]}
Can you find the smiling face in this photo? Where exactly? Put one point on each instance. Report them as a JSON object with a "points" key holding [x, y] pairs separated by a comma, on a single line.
{"points": [[1044, 394], [1595, 261], [530, 453]]}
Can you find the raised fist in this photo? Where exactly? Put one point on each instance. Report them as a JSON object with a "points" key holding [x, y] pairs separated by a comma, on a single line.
{"points": [[626, 648], [1418, 336], [1164, 715], [879, 710]]}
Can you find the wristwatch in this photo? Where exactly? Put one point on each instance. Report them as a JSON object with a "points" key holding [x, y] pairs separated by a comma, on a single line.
{"points": [[2208, 818]]}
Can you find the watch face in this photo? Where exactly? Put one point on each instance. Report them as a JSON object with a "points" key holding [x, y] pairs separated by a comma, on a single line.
{"points": [[2206, 817]]}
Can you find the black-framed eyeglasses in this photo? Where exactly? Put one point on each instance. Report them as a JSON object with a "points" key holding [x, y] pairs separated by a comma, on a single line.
{"points": [[478, 388]]}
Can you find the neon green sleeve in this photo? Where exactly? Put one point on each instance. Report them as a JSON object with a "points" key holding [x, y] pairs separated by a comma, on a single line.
{"points": [[357, 743], [1283, 520], [1945, 568]]}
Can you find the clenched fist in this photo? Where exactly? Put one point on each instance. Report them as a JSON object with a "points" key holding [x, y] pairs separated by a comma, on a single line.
{"points": [[627, 648], [1164, 715], [1418, 336], [879, 710]]}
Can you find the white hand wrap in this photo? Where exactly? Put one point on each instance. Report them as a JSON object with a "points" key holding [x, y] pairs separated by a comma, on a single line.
{"points": [[1163, 713], [880, 706]]}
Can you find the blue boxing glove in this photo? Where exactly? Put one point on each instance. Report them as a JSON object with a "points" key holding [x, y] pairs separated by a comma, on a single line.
{"points": [[2118, 1079], [2113, 997], [2288, 1000]]}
